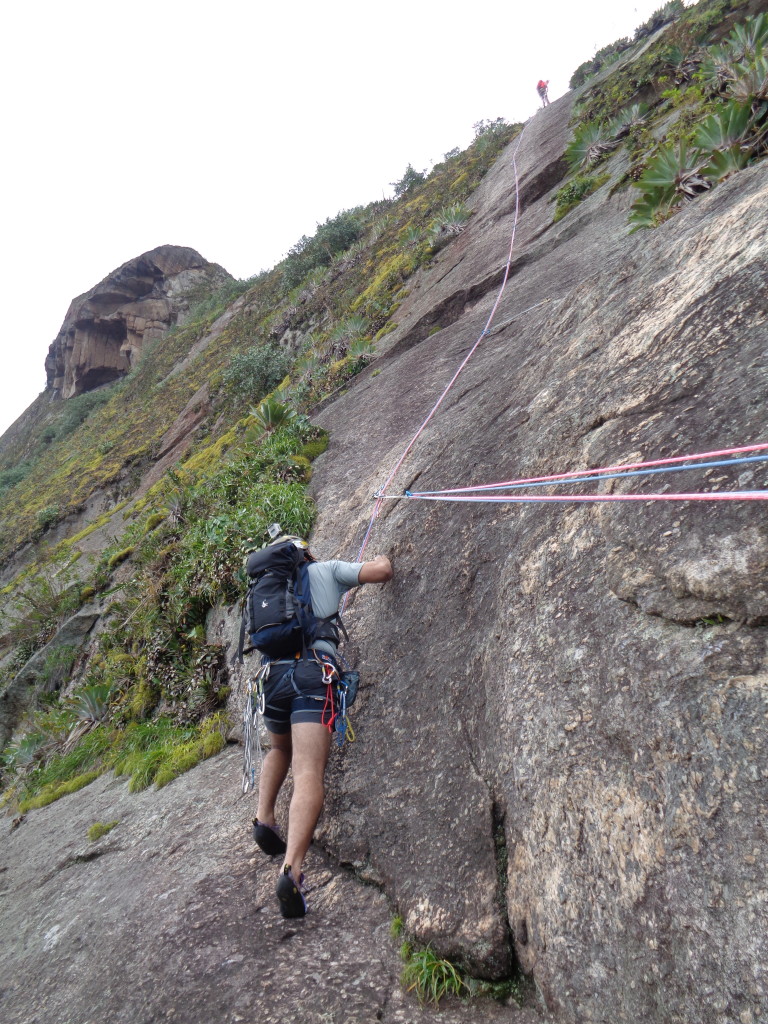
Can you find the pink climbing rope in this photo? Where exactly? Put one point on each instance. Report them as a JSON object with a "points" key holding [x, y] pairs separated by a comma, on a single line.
{"points": [[483, 333], [602, 469], [441, 399], [473, 493], [530, 499]]}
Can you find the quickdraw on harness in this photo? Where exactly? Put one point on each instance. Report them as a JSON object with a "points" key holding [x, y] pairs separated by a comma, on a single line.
{"points": [[254, 705], [346, 691], [341, 690]]}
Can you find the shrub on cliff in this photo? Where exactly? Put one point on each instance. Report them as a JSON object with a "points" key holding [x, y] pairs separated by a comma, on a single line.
{"points": [[255, 373], [605, 56], [77, 410], [42, 599], [335, 236], [575, 191], [409, 180], [669, 12], [11, 476]]}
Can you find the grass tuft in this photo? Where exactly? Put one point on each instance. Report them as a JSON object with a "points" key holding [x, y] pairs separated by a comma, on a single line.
{"points": [[99, 829], [53, 792], [431, 977]]}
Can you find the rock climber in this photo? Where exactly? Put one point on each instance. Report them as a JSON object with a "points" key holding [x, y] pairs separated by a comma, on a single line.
{"points": [[542, 89], [296, 695]]}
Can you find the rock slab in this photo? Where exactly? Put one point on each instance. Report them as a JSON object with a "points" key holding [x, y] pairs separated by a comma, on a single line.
{"points": [[172, 916]]}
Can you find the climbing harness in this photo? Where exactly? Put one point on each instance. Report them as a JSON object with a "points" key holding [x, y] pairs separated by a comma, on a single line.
{"points": [[340, 693]]}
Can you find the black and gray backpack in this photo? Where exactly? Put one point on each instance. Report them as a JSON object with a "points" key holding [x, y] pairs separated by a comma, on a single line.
{"points": [[277, 613]]}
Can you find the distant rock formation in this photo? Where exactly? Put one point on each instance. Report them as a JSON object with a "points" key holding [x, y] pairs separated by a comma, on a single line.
{"points": [[106, 329]]}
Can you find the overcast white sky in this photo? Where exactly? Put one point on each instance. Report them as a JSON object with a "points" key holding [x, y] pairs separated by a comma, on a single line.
{"points": [[235, 127]]}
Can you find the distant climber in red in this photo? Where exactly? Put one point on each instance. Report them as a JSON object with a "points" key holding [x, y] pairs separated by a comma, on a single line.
{"points": [[541, 89]]}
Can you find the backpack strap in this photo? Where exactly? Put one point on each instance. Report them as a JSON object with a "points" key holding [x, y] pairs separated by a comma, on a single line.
{"points": [[303, 594], [237, 657], [338, 627]]}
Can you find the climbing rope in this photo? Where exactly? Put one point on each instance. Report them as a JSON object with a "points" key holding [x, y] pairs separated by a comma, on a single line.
{"points": [[627, 469], [476, 492], [484, 333], [693, 496], [484, 492]]}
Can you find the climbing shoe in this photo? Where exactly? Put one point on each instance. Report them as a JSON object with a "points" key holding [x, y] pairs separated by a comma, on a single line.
{"points": [[268, 839], [289, 894]]}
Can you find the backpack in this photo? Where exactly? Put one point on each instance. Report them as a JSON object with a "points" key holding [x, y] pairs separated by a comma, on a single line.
{"points": [[277, 613]]}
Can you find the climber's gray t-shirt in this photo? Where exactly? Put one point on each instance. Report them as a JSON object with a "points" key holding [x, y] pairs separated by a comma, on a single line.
{"points": [[328, 582]]}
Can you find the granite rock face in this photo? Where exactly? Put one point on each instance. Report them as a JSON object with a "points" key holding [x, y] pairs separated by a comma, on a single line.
{"points": [[105, 329], [172, 916], [562, 729]]}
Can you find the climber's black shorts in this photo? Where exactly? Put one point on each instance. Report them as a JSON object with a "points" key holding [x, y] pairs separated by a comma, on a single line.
{"points": [[294, 693]]}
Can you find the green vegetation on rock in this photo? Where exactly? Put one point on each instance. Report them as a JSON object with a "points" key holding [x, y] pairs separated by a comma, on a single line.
{"points": [[575, 191], [690, 111], [99, 829], [429, 976]]}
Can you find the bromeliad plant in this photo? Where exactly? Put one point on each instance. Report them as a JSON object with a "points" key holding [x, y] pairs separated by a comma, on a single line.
{"points": [[271, 414], [590, 143], [346, 333], [718, 69], [448, 223], [671, 177], [596, 139], [722, 145], [724, 65], [632, 117], [705, 144], [730, 138]]}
